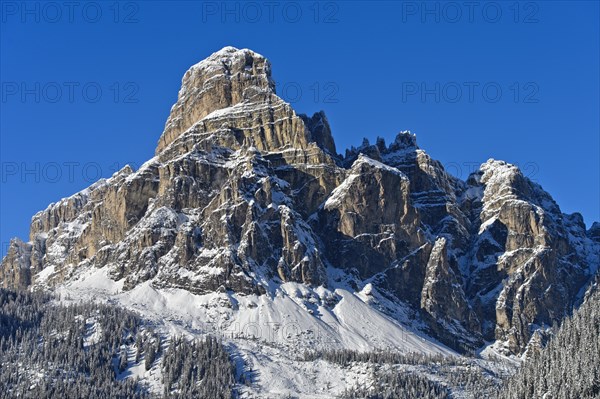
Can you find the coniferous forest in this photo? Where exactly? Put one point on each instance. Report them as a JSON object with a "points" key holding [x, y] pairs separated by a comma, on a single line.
{"points": [[569, 366], [51, 350]]}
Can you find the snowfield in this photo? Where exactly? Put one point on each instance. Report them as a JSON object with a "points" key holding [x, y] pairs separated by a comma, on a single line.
{"points": [[267, 333]]}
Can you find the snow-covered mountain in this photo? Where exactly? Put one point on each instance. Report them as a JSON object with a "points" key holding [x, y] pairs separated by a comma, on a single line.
{"points": [[248, 224]]}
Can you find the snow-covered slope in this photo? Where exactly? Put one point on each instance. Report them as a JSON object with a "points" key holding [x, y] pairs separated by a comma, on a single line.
{"points": [[270, 333]]}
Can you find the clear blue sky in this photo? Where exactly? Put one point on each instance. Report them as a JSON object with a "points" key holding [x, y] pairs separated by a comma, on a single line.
{"points": [[375, 68]]}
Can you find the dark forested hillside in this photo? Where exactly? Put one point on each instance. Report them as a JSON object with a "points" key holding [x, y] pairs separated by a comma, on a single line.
{"points": [[51, 350], [198, 369], [569, 366], [47, 350]]}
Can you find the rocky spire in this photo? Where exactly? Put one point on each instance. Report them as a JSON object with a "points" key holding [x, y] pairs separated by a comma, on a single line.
{"points": [[226, 78]]}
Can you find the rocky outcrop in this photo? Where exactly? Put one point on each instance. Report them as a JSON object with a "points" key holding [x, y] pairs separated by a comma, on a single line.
{"points": [[227, 78], [530, 261], [244, 194], [368, 221], [16, 265], [444, 301]]}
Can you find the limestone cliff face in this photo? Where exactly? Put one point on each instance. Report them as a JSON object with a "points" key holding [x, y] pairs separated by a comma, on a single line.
{"points": [[16, 267], [443, 298], [228, 100], [244, 194], [529, 261], [368, 221], [226, 78]]}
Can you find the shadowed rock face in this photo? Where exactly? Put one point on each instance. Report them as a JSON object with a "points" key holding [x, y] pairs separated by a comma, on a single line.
{"points": [[243, 194]]}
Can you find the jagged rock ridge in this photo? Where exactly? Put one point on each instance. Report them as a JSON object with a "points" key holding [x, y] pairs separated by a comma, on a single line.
{"points": [[243, 194]]}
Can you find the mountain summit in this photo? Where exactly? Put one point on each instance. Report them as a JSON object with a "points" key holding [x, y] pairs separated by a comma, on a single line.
{"points": [[244, 198]]}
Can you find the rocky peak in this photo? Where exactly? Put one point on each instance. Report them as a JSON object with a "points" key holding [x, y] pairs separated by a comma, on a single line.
{"points": [[226, 78], [403, 146], [594, 232], [320, 132], [228, 102], [404, 141]]}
